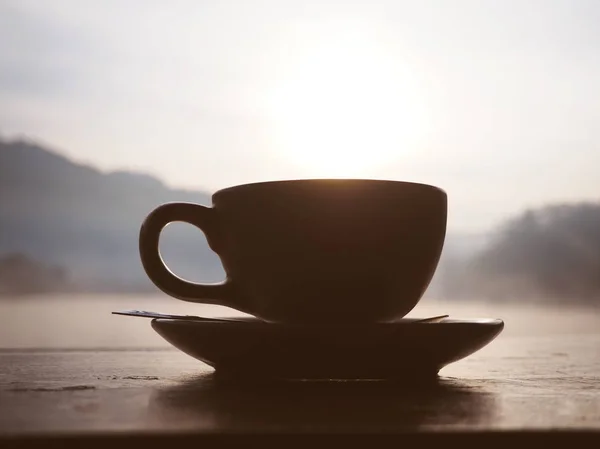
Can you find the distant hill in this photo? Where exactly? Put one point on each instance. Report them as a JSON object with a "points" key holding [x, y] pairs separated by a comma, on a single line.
{"points": [[72, 215], [551, 253], [20, 275]]}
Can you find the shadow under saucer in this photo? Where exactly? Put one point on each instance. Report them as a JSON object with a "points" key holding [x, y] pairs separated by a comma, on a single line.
{"points": [[221, 404]]}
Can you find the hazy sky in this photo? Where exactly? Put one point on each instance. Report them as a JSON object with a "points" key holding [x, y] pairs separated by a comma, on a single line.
{"points": [[498, 102]]}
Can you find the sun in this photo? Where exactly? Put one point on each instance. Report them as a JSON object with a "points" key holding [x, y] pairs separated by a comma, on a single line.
{"points": [[346, 106]]}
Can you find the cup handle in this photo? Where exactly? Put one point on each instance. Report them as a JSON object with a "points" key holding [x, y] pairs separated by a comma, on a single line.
{"points": [[203, 218]]}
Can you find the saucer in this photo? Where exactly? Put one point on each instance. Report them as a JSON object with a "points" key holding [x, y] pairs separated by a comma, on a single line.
{"points": [[253, 348]]}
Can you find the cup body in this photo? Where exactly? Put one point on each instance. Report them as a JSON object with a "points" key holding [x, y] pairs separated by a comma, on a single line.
{"points": [[336, 250]]}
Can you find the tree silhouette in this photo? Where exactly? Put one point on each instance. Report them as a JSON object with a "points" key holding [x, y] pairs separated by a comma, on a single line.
{"points": [[552, 252]]}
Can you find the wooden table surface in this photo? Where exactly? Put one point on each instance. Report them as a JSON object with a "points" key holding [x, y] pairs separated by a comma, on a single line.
{"points": [[514, 383], [541, 374]]}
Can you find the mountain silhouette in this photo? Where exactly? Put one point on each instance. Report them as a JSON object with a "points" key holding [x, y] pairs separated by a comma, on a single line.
{"points": [[550, 253], [60, 212]]}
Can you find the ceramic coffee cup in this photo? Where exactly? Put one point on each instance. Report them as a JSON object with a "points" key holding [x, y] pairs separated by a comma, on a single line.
{"points": [[311, 251]]}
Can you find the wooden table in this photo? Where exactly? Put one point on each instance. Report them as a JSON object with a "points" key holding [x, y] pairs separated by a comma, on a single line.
{"points": [[536, 384]]}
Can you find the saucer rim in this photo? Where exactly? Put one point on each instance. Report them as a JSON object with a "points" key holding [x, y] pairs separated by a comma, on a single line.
{"points": [[493, 322]]}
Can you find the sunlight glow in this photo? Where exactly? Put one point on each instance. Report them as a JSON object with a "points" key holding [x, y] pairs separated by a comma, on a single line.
{"points": [[347, 106]]}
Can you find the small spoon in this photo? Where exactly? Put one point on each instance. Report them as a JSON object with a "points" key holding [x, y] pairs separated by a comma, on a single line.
{"points": [[433, 319], [145, 314]]}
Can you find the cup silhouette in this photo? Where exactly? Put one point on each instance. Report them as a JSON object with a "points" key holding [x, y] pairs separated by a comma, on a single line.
{"points": [[311, 251]]}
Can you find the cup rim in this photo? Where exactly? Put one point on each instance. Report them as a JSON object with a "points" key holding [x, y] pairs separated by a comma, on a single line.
{"points": [[259, 184]]}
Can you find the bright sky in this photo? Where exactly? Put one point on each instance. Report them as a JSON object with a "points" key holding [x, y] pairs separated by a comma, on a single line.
{"points": [[497, 102]]}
